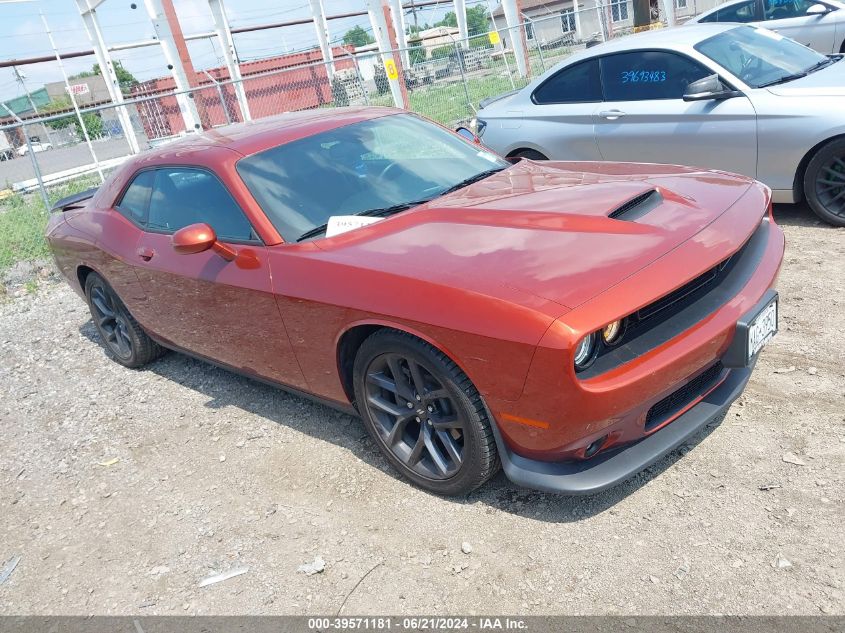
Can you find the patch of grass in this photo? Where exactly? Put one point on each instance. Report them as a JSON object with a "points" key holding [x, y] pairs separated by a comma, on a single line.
{"points": [[23, 219], [22, 223]]}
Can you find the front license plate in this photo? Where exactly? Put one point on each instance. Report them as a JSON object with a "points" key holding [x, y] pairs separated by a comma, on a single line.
{"points": [[762, 328]]}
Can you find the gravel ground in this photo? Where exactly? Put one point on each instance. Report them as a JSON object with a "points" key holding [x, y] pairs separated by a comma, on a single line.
{"points": [[122, 490]]}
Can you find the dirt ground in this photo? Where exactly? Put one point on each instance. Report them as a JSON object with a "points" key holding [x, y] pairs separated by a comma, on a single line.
{"points": [[122, 490]]}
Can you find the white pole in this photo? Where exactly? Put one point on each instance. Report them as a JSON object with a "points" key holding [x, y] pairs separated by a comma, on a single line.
{"points": [[461, 15], [187, 107], [322, 26], [398, 15], [377, 19], [72, 97], [669, 8], [230, 54], [92, 27], [512, 18]]}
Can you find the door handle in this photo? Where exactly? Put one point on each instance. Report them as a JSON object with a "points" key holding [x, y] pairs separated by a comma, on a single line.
{"points": [[611, 115], [145, 253]]}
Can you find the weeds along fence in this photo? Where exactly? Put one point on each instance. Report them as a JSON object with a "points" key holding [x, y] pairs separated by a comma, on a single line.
{"points": [[44, 158]]}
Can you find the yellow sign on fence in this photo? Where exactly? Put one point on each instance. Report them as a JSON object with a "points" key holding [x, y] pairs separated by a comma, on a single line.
{"points": [[390, 68], [494, 37]]}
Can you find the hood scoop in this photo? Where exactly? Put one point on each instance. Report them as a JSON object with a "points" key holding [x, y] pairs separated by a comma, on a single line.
{"points": [[638, 206]]}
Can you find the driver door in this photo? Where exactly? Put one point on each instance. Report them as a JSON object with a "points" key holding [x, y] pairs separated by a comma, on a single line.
{"points": [[790, 19], [645, 119], [222, 310]]}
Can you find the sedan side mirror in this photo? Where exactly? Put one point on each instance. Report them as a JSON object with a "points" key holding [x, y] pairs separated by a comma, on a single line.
{"points": [[818, 9], [468, 135], [198, 238], [709, 88]]}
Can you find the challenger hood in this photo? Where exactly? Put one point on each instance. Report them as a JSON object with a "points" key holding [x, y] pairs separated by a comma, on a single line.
{"points": [[560, 231]]}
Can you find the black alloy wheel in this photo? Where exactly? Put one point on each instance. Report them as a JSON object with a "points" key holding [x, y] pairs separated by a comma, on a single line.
{"points": [[124, 339], [424, 413], [824, 183]]}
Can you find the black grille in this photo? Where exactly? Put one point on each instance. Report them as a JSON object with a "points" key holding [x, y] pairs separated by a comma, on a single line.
{"points": [[677, 400], [700, 284]]}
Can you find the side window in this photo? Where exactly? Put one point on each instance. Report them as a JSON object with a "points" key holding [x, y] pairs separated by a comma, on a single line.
{"points": [[742, 12], [783, 9], [183, 196], [644, 75], [134, 202], [576, 84]]}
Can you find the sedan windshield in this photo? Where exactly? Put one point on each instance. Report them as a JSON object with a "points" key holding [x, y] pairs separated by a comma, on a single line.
{"points": [[761, 58], [375, 167]]}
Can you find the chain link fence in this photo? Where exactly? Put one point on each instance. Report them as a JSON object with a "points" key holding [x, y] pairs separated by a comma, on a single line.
{"points": [[45, 158]]}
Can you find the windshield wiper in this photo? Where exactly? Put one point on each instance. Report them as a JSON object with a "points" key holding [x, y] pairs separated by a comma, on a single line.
{"points": [[468, 181], [783, 79], [383, 211], [395, 208], [817, 66], [820, 64]]}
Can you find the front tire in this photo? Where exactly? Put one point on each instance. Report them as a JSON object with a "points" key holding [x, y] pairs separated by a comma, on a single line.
{"points": [[824, 183], [424, 413], [123, 338]]}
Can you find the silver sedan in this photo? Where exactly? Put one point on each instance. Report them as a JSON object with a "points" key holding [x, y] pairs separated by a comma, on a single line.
{"points": [[819, 25], [736, 98]]}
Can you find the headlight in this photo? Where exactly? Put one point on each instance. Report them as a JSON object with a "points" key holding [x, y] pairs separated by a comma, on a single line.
{"points": [[584, 351], [477, 126], [611, 333]]}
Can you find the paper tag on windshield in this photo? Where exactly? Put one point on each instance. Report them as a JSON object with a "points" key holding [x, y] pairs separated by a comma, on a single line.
{"points": [[342, 223]]}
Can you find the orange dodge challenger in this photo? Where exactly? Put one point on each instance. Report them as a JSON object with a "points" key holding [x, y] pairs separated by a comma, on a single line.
{"points": [[571, 322]]}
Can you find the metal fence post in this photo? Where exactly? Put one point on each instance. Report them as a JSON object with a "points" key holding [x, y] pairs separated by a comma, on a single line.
{"points": [[32, 158], [221, 95], [536, 41], [463, 74]]}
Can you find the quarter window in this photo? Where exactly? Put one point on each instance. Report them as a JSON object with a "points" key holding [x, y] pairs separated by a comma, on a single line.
{"points": [[134, 202], [644, 75], [186, 196], [580, 83]]}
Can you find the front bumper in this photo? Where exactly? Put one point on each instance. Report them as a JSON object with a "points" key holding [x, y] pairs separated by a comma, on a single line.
{"points": [[607, 470]]}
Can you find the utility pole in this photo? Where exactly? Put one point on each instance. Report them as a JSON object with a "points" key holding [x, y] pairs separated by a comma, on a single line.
{"points": [[21, 77]]}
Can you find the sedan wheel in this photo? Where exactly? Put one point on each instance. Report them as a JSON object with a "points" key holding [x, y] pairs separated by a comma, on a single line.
{"points": [[424, 413], [124, 339], [824, 183]]}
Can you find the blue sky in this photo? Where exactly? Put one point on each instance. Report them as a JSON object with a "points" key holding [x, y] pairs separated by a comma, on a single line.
{"points": [[22, 34]]}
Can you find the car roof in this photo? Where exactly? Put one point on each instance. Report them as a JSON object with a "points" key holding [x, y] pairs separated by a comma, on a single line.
{"points": [[672, 38], [258, 135]]}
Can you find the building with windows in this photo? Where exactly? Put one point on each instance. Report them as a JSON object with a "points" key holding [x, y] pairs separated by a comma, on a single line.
{"points": [[550, 23]]}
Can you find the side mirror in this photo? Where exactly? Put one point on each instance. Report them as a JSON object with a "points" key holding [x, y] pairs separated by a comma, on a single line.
{"points": [[468, 135], [708, 88], [198, 238], [817, 9]]}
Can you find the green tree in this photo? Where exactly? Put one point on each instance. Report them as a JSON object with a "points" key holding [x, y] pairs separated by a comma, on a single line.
{"points": [[416, 52], [125, 79], [477, 20], [357, 36], [93, 122]]}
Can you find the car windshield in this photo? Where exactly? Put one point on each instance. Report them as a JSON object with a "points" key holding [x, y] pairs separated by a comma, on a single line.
{"points": [[373, 167], [760, 57]]}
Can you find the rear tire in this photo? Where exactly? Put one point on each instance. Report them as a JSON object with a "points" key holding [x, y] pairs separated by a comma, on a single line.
{"points": [[424, 414], [824, 183], [530, 154], [122, 337]]}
